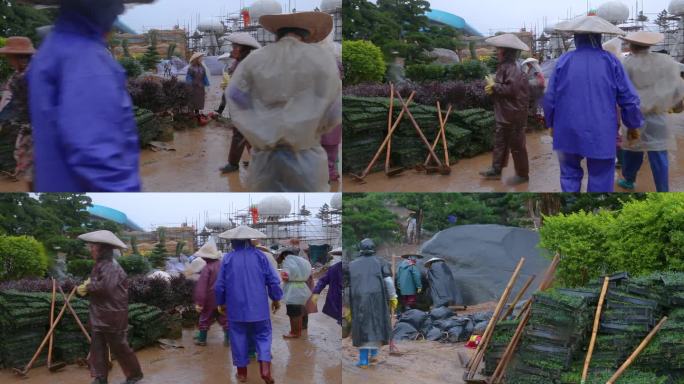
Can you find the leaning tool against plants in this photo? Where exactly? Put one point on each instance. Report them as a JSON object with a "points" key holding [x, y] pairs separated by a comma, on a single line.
{"points": [[107, 289]]}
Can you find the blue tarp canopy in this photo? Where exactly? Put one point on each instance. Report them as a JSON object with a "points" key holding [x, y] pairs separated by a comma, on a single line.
{"points": [[451, 20], [112, 214]]}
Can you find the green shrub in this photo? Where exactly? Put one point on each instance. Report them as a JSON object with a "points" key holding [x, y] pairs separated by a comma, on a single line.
{"points": [[134, 264], [21, 256], [132, 67], [465, 71], [80, 267], [362, 61], [5, 69], [643, 237]]}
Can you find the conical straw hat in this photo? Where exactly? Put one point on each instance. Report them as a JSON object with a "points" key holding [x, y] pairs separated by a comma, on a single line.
{"points": [[103, 237], [242, 232], [507, 40]]}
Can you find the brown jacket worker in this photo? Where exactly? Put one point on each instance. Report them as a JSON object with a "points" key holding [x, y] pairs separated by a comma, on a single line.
{"points": [[108, 292], [510, 93]]}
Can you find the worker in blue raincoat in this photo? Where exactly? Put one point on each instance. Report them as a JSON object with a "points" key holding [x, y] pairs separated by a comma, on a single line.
{"points": [[408, 280], [580, 105], [245, 283], [84, 130]]}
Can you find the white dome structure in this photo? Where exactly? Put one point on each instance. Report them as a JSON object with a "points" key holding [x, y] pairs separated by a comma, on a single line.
{"points": [[264, 7], [336, 202], [330, 5], [275, 205], [614, 11], [676, 7], [211, 26]]}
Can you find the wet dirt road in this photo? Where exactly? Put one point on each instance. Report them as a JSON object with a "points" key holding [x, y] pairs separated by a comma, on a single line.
{"points": [[314, 359], [544, 172]]}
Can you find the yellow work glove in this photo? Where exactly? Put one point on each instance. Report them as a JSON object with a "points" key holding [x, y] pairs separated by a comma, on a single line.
{"points": [[490, 80], [419, 290], [198, 308], [226, 80], [275, 306], [221, 309], [314, 299], [82, 289], [346, 314], [394, 303], [489, 89], [633, 134]]}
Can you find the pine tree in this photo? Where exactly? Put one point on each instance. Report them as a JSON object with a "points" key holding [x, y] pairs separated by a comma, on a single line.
{"points": [[124, 45], [151, 57], [158, 255]]}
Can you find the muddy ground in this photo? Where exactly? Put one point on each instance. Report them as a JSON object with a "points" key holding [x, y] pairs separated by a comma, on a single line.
{"points": [[314, 359], [194, 163], [544, 172]]}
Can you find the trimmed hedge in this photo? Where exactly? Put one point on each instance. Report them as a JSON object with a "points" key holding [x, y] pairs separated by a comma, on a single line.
{"points": [[464, 71], [362, 61], [21, 256]]}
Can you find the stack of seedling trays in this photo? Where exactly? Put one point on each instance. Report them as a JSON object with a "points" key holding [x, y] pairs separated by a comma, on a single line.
{"points": [[558, 328], [503, 333], [148, 126], [70, 344], [632, 309], [147, 325], [469, 132]]}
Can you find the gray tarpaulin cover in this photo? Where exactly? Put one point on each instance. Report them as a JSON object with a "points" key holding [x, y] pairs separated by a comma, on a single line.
{"points": [[482, 259]]}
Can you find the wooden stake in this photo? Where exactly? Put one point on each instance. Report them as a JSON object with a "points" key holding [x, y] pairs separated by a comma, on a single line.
{"points": [[444, 140], [594, 331], [474, 363], [78, 321], [637, 351], [442, 123], [517, 298], [420, 133], [547, 281], [387, 138], [52, 319], [389, 128]]}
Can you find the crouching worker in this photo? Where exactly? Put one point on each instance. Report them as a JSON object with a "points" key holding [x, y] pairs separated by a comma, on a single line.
{"points": [[108, 292], [205, 298]]}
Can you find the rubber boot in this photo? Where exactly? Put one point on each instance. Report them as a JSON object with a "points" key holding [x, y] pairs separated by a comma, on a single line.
{"points": [[241, 374], [99, 380], [374, 355], [265, 370], [491, 174], [363, 358], [305, 322], [201, 338], [132, 380], [226, 338], [295, 328]]}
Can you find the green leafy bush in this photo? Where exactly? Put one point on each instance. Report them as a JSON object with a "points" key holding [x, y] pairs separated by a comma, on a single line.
{"points": [[21, 256], [134, 264], [132, 67], [362, 61], [465, 71], [80, 267], [643, 237], [5, 69]]}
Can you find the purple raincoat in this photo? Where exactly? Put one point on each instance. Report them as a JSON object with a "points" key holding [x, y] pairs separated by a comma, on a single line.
{"points": [[580, 100], [245, 283], [84, 130], [333, 301]]}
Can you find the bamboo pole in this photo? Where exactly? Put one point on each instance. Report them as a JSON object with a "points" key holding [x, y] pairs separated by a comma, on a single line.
{"points": [[420, 132], [389, 128], [52, 319], [444, 140], [524, 318], [474, 363], [73, 312], [594, 331], [517, 298], [637, 351]]}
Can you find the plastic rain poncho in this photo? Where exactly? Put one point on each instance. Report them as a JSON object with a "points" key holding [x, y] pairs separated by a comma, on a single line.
{"points": [[581, 98], [442, 285], [295, 290], [660, 86], [369, 301], [282, 98]]}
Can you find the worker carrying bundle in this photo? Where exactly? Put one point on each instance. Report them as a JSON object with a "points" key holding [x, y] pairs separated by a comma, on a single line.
{"points": [[282, 98]]}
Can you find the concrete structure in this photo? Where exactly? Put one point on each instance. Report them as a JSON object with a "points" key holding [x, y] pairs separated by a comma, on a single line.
{"points": [[103, 213], [449, 19]]}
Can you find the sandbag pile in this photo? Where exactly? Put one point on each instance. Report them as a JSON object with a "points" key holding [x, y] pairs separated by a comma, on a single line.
{"points": [[469, 132], [149, 128], [440, 324], [147, 325]]}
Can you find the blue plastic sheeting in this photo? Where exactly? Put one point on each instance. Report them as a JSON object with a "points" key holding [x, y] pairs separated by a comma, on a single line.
{"points": [[451, 20], [113, 215]]}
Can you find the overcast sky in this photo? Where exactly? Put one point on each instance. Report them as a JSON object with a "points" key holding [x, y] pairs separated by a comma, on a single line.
{"points": [[169, 209], [166, 13], [486, 15]]}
